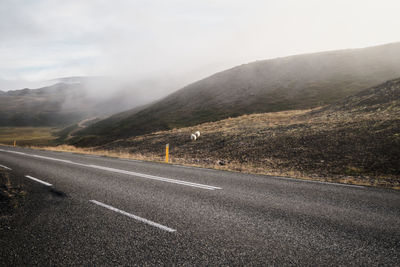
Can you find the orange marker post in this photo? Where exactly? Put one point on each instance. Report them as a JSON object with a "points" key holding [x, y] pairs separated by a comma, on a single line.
{"points": [[167, 153]]}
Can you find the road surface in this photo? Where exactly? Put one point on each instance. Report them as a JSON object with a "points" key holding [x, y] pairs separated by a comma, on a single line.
{"points": [[90, 210]]}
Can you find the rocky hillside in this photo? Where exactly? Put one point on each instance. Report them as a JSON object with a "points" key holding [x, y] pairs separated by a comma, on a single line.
{"points": [[379, 98], [356, 140]]}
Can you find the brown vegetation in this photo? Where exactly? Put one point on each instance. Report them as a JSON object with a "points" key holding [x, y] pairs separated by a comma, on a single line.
{"points": [[25, 136], [11, 194]]}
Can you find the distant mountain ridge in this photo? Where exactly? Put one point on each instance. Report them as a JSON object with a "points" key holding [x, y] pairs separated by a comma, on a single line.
{"points": [[39, 107], [294, 82], [69, 101]]}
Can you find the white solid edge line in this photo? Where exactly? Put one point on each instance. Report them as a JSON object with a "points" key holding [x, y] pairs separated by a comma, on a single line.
{"points": [[15, 152], [143, 220], [37, 180], [5, 167], [173, 180], [158, 178], [54, 159]]}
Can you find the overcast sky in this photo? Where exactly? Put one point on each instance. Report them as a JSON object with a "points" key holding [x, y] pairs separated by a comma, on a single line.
{"points": [[184, 40]]}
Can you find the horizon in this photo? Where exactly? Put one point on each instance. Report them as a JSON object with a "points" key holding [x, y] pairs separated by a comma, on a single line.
{"points": [[54, 81]]}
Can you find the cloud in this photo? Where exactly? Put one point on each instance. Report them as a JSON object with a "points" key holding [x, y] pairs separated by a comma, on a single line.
{"points": [[184, 40]]}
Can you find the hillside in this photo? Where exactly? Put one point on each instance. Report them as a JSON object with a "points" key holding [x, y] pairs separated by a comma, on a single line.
{"points": [[295, 82], [355, 140]]}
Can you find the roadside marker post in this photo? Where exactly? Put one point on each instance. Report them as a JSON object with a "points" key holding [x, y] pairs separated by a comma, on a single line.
{"points": [[15, 143], [167, 153]]}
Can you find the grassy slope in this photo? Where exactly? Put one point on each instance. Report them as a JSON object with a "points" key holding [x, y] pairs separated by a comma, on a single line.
{"points": [[25, 136], [295, 82]]}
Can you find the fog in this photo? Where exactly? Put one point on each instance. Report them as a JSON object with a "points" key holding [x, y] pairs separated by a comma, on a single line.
{"points": [[151, 48], [101, 96]]}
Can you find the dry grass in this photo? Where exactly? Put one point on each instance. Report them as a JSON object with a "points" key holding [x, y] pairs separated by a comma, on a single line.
{"points": [[252, 121], [120, 153], [25, 136]]}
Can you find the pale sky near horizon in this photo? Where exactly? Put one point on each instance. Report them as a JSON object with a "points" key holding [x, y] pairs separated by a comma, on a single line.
{"points": [[180, 40]]}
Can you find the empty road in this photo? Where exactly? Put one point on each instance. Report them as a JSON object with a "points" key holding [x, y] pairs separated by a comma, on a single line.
{"points": [[90, 210]]}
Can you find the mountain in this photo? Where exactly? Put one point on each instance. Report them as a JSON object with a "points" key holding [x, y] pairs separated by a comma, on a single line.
{"points": [[40, 107], [294, 82], [71, 100]]}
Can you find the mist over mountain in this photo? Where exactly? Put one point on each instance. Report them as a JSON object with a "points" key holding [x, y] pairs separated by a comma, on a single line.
{"points": [[294, 82], [72, 99]]}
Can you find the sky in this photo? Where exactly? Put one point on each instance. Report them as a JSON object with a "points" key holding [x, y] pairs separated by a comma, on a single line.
{"points": [[176, 41]]}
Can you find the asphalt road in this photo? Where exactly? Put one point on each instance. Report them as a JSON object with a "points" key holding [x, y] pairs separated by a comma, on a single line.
{"points": [[89, 210]]}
